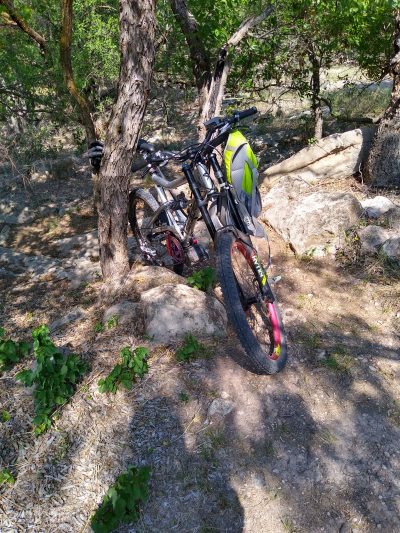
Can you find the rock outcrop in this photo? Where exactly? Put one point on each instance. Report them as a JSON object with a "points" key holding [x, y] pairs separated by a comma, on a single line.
{"points": [[337, 156]]}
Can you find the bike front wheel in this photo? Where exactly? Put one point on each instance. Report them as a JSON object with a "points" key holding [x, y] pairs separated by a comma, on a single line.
{"points": [[257, 323], [157, 246]]}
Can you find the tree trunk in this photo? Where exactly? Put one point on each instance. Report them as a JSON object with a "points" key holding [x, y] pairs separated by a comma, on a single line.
{"points": [[201, 65], [382, 168], [137, 31], [66, 65], [213, 102], [315, 95], [210, 88]]}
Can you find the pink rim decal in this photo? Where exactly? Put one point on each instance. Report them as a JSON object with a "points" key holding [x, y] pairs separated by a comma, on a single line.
{"points": [[276, 331]]}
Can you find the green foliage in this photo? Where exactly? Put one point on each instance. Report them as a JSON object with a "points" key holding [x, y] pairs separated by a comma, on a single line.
{"points": [[184, 398], [191, 349], [11, 352], [98, 327], [5, 416], [112, 322], [133, 365], [54, 377], [122, 501], [6, 477], [202, 279]]}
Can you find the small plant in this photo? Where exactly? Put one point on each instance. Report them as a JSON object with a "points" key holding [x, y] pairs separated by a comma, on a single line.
{"points": [[98, 327], [202, 279], [5, 416], [122, 500], [11, 352], [6, 477], [191, 349], [112, 322], [133, 365], [184, 398], [54, 377], [339, 360]]}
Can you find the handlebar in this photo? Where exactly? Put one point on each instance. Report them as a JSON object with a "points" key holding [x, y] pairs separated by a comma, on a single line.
{"points": [[216, 123], [246, 113]]}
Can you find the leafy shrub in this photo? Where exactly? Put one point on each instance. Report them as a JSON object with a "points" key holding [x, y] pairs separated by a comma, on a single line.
{"points": [[191, 349], [133, 365], [11, 352], [121, 503], [54, 377], [202, 279]]}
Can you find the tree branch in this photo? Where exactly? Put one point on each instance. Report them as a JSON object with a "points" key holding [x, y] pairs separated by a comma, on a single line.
{"points": [[16, 17], [247, 25]]}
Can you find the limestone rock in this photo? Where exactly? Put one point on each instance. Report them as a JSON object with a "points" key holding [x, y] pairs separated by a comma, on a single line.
{"points": [[171, 311], [336, 156], [310, 222], [126, 312], [74, 315], [147, 277], [221, 407], [377, 206], [372, 238], [392, 248]]}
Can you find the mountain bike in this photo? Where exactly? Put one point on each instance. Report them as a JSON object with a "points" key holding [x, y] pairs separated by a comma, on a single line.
{"points": [[163, 223]]}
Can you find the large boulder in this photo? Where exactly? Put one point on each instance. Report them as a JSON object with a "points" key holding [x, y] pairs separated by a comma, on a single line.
{"points": [[172, 311], [337, 156], [313, 222]]}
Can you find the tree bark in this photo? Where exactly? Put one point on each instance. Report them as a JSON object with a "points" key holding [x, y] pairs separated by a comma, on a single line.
{"points": [[137, 32], [315, 94], [23, 25], [382, 168], [66, 65], [215, 93], [212, 105], [201, 64]]}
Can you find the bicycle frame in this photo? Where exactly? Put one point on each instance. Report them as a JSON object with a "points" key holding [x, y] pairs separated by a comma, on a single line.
{"points": [[199, 205]]}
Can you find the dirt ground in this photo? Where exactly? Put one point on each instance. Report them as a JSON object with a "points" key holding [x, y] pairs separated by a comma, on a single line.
{"points": [[314, 448]]}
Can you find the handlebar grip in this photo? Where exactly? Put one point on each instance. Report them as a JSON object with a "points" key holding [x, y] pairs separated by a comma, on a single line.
{"points": [[246, 113], [144, 145], [138, 165]]}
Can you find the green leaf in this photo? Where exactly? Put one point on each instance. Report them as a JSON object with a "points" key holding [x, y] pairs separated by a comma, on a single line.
{"points": [[5, 416], [6, 477]]}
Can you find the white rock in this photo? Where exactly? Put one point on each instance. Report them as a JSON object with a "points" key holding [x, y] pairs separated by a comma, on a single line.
{"points": [[392, 248], [310, 222], [171, 311], [74, 315], [127, 312], [377, 206], [372, 238], [336, 156], [220, 407]]}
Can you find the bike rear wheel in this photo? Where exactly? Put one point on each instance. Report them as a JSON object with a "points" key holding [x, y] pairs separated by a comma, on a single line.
{"points": [[157, 246], [257, 323]]}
